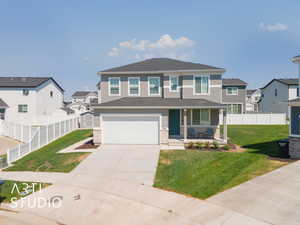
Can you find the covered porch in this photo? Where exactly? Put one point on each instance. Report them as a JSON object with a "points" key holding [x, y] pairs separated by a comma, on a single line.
{"points": [[197, 124]]}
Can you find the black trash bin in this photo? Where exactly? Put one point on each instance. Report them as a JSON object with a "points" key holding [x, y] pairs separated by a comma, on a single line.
{"points": [[284, 148]]}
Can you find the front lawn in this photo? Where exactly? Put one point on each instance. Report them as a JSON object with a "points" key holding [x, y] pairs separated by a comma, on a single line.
{"points": [[258, 138], [202, 174], [47, 159], [12, 190]]}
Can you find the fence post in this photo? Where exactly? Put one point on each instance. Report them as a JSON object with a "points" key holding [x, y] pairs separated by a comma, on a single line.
{"points": [[39, 137], [47, 134], [8, 156], [19, 150]]}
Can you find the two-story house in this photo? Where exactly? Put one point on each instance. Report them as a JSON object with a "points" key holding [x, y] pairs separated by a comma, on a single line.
{"points": [[277, 93], [294, 139], [25, 99], [234, 95], [84, 96], [155, 100], [252, 100]]}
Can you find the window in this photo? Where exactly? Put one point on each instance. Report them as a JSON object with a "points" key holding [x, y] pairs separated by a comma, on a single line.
{"points": [[188, 117], [2, 114], [25, 92], [51, 94], [154, 84], [173, 83], [200, 117], [232, 91], [22, 108], [201, 85], [276, 93], [114, 86], [234, 108], [134, 85]]}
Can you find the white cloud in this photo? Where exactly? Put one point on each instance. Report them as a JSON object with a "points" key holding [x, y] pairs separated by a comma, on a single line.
{"points": [[165, 46], [273, 27]]}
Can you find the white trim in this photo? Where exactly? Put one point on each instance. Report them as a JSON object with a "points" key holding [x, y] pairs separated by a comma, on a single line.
{"points": [[170, 83], [237, 91], [158, 107], [109, 94], [236, 103], [119, 114], [211, 71], [194, 84], [139, 86], [295, 135], [159, 87], [215, 85]]}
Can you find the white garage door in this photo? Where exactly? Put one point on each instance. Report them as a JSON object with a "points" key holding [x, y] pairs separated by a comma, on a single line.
{"points": [[130, 129]]}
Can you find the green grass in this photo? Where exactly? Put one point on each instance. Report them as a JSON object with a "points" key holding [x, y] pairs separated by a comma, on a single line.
{"points": [[202, 174], [12, 190], [260, 139], [47, 159]]}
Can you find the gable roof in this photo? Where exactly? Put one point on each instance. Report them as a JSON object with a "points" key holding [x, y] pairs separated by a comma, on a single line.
{"points": [[158, 65], [250, 92], [296, 58], [3, 104], [82, 93], [233, 82], [25, 82], [286, 81], [156, 102]]}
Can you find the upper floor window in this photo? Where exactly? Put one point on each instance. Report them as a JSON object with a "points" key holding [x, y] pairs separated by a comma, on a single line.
{"points": [[173, 83], [22, 108], [25, 92], [51, 94], [154, 85], [232, 91], [134, 85], [114, 86], [201, 85], [276, 92]]}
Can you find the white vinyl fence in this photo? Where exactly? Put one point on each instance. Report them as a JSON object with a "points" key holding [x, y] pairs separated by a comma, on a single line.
{"points": [[256, 119], [36, 137]]}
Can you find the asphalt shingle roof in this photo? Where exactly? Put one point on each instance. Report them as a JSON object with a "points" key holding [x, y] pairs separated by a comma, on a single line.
{"points": [[160, 64], [250, 92], [25, 82], [3, 104], [233, 82], [149, 102], [286, 81], [82, 93]]}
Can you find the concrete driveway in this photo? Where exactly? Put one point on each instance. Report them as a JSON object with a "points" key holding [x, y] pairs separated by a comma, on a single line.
{"points": [[135, 163]]}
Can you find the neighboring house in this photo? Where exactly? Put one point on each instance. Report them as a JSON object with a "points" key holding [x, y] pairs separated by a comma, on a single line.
{"points": [[277, 93], [158, 100], [84, 96], [234, 95], [3, 107], [252, 100], [25, 99], [294, 138], [78, 107]]}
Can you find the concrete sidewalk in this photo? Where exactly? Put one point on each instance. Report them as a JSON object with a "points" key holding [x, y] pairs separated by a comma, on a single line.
{"points": [[119, 202], [273, 197], [34, 176]]}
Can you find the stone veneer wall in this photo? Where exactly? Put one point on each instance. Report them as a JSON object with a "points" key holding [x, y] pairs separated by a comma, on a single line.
{"points": [[164, 136], [97, 135], [294, 147]]}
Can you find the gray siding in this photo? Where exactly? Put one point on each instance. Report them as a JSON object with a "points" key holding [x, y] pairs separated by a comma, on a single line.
{"points": [[295, 120], [185, 81], [240, 98]]}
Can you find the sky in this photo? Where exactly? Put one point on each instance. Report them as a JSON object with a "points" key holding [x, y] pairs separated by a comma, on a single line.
{"points": [[73, 40]]}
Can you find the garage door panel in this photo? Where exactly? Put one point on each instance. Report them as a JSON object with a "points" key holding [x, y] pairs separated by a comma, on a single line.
{"points": [[130, 130]]}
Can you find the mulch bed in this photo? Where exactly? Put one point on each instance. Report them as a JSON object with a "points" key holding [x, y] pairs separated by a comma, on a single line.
{"points": [[88, 145]]}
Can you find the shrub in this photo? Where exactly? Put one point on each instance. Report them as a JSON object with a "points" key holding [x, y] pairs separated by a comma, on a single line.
{"points": [[199, 145], [207, 145], [215, 145], [189, 145], [226, 147]]}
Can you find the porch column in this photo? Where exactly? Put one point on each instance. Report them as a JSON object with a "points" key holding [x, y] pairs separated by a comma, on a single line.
{"points": [[185, 124], [224, 124]]}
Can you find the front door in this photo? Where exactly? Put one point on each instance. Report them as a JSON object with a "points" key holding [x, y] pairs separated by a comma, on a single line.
{"points": [[174, 122]]}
